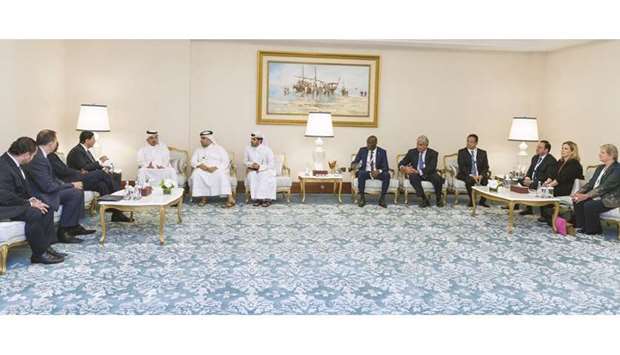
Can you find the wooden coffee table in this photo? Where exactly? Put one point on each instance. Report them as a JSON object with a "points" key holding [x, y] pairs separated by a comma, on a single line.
{"points": [[335, 179], [512, 198], [157, 200]]}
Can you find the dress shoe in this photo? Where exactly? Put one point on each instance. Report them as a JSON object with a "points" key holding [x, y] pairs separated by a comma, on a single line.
{"points": [[425, 203], [80, 230], [362, 201], [120, 217], [55, 252], [46, 258], [65, 237], [483, 204], [526, 212], [382, 202], [542, 220], [257, 203]]}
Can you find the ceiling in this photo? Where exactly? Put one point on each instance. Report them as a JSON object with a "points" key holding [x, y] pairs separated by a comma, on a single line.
{"points": [[514, 45]]}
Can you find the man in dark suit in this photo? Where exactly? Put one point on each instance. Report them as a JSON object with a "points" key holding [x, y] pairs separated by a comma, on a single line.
{"points": [[94, 180], [473, 167], [542, 167], [420, 164], [55, 192], [600, 194], [371, 162], [80, 157], [18, 204]]}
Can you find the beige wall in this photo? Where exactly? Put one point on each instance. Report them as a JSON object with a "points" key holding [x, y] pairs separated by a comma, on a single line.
{"points": [[181, 87], [145, 85], [443, 94], [31, 88], [582, 97]]}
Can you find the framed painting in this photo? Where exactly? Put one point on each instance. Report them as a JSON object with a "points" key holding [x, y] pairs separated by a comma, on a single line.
{"points": [[290, 85]]}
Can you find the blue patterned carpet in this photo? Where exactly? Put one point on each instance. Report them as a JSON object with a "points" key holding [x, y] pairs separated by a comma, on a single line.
{"points": [[323, 258]]}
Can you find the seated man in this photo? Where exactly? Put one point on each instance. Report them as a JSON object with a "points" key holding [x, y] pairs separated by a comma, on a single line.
{"points": [[424, 160], [94, 180], [542, 167], [473, 167], [80, 158], [372, 163], [154, 161], [18, 204], [54, 192], [262, 173], [211, 171]]}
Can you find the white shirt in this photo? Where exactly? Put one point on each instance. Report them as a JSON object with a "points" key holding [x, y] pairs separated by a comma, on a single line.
{"points": [[473, 153], [157, 154], [18, 166], [374, 158]]}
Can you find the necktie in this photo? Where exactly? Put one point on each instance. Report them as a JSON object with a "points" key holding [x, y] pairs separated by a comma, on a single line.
{"points": [[420, 163], [372, 160], [474, 166], [536, 168]]}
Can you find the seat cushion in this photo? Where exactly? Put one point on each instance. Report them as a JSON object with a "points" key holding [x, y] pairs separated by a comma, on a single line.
{"points": [[233, 182], [426, 185], [181, 180], [612, 214], [375, 185], [283, 181], [89, 196], [11, 232], [459, 185]]}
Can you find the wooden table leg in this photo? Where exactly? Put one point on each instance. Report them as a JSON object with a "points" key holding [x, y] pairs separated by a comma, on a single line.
{"points": [[556, 212], [339, 191], [179, 207], [102, 209], [511, 207], [474, 199], [302, 184], [162, 220]]}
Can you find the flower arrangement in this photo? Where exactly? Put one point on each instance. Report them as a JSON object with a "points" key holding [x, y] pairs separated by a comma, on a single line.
{"points": [[167, 185]]}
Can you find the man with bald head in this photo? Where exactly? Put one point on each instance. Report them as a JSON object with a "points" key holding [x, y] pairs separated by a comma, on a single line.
{"points": [[371, 162]]}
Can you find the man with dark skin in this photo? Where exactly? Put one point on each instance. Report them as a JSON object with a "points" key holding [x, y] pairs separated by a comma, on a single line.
{"points": [[373, 164]]}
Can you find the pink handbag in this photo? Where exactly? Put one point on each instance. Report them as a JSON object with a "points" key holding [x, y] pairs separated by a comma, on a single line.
{"points": [[560, 225]]}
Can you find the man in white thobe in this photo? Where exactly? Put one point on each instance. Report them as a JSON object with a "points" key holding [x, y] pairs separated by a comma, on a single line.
{"points": [[261, 178], [211, 175], [154, 161]]}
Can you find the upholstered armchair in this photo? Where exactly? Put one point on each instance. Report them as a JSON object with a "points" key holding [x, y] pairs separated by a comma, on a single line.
{"points": [[179, 160], [612, 216], [406, 188], [284, 181], [373, 187], [456, 186]]}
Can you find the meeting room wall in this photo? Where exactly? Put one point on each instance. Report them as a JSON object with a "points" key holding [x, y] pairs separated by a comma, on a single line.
{"points": [[31, 87], [582, 97], [181, 87], [440, 93]]}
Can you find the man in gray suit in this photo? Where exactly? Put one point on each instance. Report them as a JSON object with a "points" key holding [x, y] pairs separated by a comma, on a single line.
{"points": [[55, 192]]}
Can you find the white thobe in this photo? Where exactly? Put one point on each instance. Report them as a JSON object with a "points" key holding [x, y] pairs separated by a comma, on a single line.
{"points": [[262, 183], [157, 155], [204, 183]]}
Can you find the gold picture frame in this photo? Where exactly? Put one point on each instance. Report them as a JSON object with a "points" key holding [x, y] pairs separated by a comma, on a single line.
{"points": [[292, 84]]}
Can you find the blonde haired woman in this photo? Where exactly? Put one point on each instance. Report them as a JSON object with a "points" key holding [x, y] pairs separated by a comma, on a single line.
{"points": [[600, 194], [568, 170]]}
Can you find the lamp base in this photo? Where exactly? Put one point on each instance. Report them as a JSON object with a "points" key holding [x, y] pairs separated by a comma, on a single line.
{"points": [[318, 155]]}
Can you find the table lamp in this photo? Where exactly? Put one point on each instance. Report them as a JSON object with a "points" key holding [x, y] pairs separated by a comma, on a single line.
{"points": [[319, 125], [523, 129], [94, 118]]}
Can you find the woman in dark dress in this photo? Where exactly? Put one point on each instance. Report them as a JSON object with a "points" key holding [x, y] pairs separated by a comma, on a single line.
{"points": [[569, 169]]}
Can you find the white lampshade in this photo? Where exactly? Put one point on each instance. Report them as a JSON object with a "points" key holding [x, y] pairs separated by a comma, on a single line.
{"points": [[319, 125], [524, 129], [93, 118]]}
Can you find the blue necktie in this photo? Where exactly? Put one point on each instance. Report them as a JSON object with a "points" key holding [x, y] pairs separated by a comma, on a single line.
{"points": [[420, 163], [474, 167]]}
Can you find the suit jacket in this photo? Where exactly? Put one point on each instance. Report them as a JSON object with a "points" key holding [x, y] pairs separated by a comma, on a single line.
{"points": [[464, 161], [608, 189], [78, 159], [430, 161], [381, 160], [14, 189], [62, 171], [546, 169], [45, 185], [566, 175]]}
